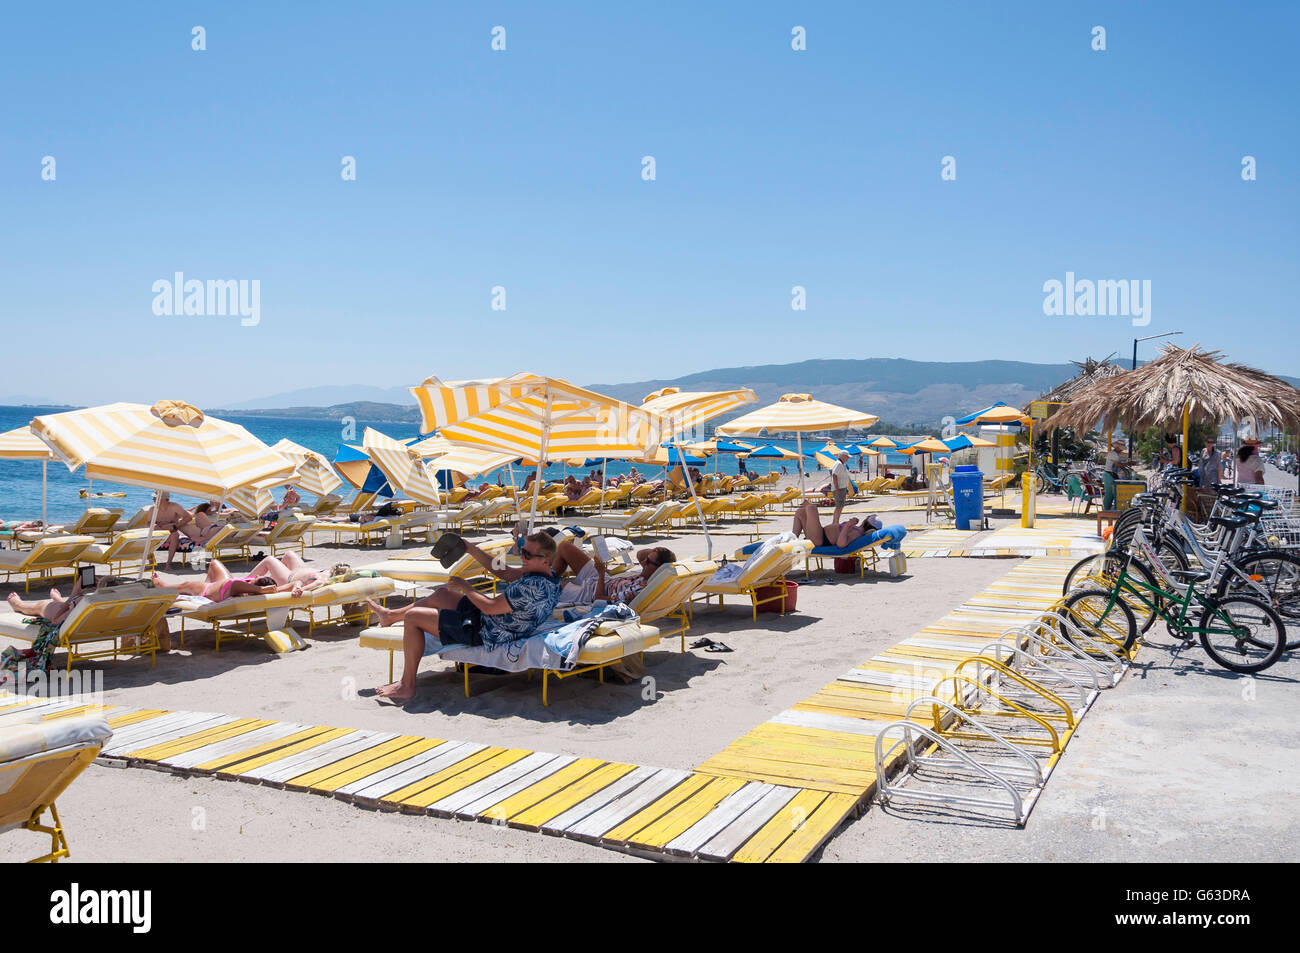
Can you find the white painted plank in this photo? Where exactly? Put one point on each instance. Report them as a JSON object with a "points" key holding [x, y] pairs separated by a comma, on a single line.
{"points": [[232, 746], [484, 804], [383, 774], [733, 836], [825, 722], [320, 756], [206, 725], [727, 811], [452, 803], [445, 759], [290, 762], [620, 809], [175, 725], [595, 802]]}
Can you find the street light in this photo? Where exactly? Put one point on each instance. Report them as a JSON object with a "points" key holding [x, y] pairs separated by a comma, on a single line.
{"points": [[1149, 337]]}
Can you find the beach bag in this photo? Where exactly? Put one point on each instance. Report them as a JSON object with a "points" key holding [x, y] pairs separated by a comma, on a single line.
{"points": [[896, 564]]}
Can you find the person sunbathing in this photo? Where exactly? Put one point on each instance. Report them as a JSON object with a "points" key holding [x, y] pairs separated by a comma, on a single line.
{"points": [[459, 614], [219, 585], [53, 610], [807, 523], [292, 574], [200, 529]]}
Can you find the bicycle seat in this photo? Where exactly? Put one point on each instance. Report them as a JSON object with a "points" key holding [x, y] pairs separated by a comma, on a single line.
{"points": [[1229, 522], [1190, 575]]}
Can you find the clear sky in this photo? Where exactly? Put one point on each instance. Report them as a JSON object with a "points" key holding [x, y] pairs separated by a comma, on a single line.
{"points": [[522, 168]]}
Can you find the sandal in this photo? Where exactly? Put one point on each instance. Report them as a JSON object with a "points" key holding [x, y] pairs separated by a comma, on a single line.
{"points": [[702, 643], [717, 647]]}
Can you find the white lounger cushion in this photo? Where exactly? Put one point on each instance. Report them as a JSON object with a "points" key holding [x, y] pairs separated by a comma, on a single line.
{"points": [[19, 741]]}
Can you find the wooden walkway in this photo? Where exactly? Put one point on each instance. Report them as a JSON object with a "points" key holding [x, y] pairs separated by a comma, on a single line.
{"points": [[827, 741], [1057, 537], [658, 812]]}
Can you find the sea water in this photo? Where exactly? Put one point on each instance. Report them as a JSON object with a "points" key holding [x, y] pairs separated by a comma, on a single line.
{"points": [[20, 480]]}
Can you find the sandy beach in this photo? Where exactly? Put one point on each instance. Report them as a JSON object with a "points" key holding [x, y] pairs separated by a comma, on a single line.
{"points": [[694, 704]]}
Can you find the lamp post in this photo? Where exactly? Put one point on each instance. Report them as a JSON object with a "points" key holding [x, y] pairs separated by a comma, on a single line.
{"points": [[1150, 337]]}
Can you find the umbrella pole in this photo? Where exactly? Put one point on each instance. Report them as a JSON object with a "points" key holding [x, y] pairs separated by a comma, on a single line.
{"points": [[603, 464], [798, 442], [546, 439], [45, 525], [1187, 497], [514, 494], [149, 549], [690, 485]]}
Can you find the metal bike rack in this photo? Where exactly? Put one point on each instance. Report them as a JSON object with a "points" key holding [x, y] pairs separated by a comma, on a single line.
{"points": [[1020, 778], [1043, 674]]}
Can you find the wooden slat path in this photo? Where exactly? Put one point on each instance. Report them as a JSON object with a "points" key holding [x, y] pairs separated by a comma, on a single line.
{"points": [[1056, 537], [825, 744], [656, 812]]}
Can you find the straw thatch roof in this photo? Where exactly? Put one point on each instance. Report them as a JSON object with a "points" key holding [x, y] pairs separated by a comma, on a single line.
{"points": [[1090, 372], [1213, 390]]}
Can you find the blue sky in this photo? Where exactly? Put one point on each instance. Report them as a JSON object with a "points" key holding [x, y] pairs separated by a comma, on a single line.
{"points": [[522, 168]]}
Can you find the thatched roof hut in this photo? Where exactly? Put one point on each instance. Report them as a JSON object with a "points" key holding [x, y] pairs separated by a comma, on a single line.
{"points": [[1090, 372], [1200, 383]]}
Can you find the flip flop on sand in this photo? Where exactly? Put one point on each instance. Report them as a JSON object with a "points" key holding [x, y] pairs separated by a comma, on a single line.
{"points": [[717, 647], [701, 643]]}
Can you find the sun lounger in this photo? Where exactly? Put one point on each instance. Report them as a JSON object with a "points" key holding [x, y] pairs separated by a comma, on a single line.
{"points": [[628, 523], [96, 521], [767, 571], [110, 614], [612, 643], [51, 555], [38, 760], [668, 593], [268, 617], [233, 537], [323, 507], [289, 533], [135, 546], [865, 550], [429, 572]]}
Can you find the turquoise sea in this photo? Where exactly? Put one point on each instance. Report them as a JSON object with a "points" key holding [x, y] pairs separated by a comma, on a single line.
{"points": [[20, 480]]}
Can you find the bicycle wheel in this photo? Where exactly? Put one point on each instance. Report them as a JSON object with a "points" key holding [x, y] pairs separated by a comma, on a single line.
{"points": [[1242, 634], [1104, 617], [1275, 574], [1102, 571]]}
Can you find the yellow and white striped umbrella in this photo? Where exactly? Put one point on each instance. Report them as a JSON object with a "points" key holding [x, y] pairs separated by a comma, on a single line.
{"points": [[446, 402], [169, 446], [22, 444], [252, 500], [315, 474], [405, 468], [554, 419], [798, 413], [686, 410], [470, 461]]}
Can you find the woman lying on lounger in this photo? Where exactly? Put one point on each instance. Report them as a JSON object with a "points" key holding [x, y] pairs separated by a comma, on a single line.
{"points": [[268, 576], [807, 523]]}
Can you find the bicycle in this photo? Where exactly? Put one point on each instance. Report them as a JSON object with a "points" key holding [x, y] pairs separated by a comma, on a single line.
{"points": [[1239, 632]]}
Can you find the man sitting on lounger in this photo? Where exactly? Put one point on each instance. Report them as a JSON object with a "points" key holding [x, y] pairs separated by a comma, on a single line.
{"points": [[459, 613]]}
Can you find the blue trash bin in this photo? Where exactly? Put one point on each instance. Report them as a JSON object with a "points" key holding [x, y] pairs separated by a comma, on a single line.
{"points": [[968, 497]]}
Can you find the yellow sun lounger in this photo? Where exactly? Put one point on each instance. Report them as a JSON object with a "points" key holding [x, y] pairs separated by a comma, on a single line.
{"points": [[612, 643], [268, 617], [628, 522], [323, 507], [288, 533], [38, 760], [109, 614], [668, 593], [135, 546], [233, 537], [51, 555], [96, 521], [770, 569]]}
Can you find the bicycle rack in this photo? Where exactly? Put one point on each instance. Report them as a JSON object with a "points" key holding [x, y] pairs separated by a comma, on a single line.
{"points": [[1043, 674], [1022, 771], [1092, 642], [987, 702], [1062, 652]]}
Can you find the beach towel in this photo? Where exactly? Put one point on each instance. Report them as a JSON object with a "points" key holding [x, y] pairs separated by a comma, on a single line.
{"points": [[554, 645], [756, 552]]}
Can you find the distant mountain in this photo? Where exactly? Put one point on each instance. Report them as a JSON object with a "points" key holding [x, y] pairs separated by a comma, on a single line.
{"points": [[909, 393], [371, 411], [328, 395], [27, 400]]}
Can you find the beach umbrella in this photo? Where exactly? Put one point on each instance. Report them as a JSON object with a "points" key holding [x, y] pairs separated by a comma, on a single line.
{"points": [[252, 500], [770, 452], [963, 442], [798, 413], [403, 465], [687, 410], [530, 415], [356, 467], [999, 413], [22, 444], [314, 474], [170, 446]]}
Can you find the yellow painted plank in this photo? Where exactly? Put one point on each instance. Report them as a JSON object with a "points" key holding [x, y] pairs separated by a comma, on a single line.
{"points": [[779, 829], [463, 780], [236, 757], [815, 737], [415, 787], [819, 825], [121, 721], [794, 775], [652, 812], [91, 710], [535, 793], [681, 817], [847, 766], [555, 805], [362, 770], [751, 775], [306, 744], [313, 778], [197, 740]]}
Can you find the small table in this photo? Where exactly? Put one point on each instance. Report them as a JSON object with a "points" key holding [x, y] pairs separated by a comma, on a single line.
{"points": [[1110, 516]]}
